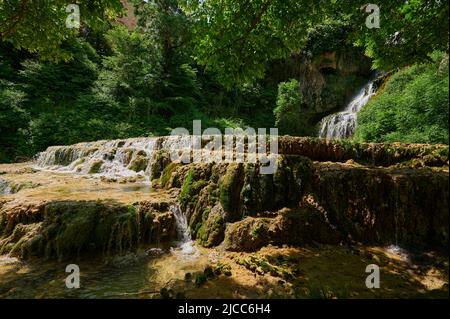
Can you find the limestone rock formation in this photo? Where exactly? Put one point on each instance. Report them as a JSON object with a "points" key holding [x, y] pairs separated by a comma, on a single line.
{"points": [[323, 191]]}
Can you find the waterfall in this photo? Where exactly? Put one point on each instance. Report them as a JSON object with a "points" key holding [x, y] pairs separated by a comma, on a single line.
{"points": [[185, 248], [116, 158], [4, 187], [184, 235], [343, 124]]}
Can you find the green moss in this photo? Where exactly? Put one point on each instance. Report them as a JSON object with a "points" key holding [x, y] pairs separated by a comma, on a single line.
{"points": [[230, 189], [160, 160], [201, 234], [348, 146], [210, 232], [200, 280], [442, 152], [191, 188], [76, 233], [139, 163], [206, 214], [198, 186], [79, 161], [17, 187], [197, 229], [186, 188], [70, 228], [77, 227], [167, 173], [95, 167], [259, 230]]}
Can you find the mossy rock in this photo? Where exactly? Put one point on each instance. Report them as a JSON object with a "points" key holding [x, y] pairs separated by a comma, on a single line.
{"points": [[191, 188], [160, 160], [250, 234], [138, 163], [212, 230], [200, 280], [69, 228], [230, 187], [95, 167], [291, 227]]}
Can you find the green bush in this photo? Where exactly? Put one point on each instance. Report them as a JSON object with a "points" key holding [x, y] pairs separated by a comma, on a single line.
{"points": [[289, 116], [412, 107], [12, 121]]}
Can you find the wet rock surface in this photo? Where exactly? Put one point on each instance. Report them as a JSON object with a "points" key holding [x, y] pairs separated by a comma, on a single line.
{"points": [[326, 192], [373, 205], [306, 231], [369, 154], [62, 229]]}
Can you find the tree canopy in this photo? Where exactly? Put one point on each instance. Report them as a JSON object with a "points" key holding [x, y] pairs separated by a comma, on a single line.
{"points": [[40, 25], [230, 63], [238, 38]]}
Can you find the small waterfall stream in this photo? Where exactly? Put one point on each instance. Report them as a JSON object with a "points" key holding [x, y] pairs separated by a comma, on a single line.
{"points": [[185, 248], [343, 124], [133, 157], [4, 187], [183, 232], [114, 158]]}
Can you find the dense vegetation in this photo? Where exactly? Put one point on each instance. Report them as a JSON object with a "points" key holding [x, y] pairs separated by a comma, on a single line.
{"points": [[412, 107], [228, 63]]}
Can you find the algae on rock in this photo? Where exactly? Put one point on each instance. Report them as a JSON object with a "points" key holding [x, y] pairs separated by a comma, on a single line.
{"points": [[69, 228]]}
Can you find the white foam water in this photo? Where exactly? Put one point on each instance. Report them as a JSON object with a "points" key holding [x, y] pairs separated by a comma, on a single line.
{"points": [[401, 253], [185, 249], [4, 187], [343, 124], [7, 260], [115, 157]]}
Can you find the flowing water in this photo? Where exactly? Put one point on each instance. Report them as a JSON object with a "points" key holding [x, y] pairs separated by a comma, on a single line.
{"points": [[114, 158], [133, 157], [4, 187], [185, 247], [137, 274], [343, 124], [140, 274]]}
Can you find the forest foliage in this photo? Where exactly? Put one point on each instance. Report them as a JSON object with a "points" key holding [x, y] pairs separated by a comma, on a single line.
{"points": [[412, 107], [217, 61]]}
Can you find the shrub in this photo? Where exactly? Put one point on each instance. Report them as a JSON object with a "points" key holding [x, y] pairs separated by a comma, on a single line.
{"points": [[12, 120], [412, 107], [289, 117]]}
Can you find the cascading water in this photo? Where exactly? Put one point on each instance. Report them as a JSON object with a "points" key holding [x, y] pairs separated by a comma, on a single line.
{"points": [[185, 248], [105, 158], [120, 158], [117, 158], [4, 187], [183, 232], [343, 124], [399, 252]]}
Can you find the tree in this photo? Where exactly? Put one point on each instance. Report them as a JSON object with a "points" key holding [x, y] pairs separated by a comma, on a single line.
{"points": [[412, 106], [40, 26], [289, 117], [164, 23], [237, 38], [12, 120], [410, 31]]}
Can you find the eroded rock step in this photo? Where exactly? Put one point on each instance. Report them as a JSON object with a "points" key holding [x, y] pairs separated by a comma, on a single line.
{"points": [[322, 192], [147, 156], [60, 229], [306, 202]]}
